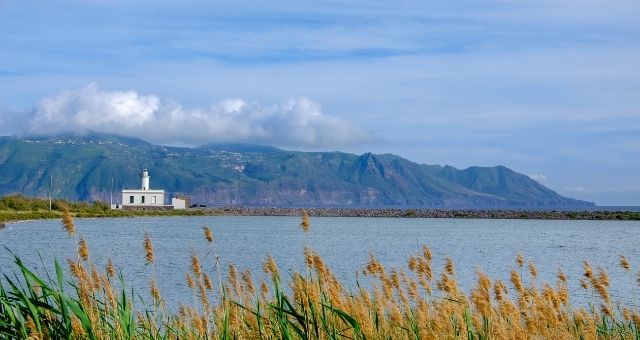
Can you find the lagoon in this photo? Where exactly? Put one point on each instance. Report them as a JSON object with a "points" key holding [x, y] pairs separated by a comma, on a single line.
{"points": [[344, 243]]}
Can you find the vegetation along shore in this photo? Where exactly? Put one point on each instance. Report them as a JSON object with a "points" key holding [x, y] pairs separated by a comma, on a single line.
{"points": [[89, 300], [20, 208]]}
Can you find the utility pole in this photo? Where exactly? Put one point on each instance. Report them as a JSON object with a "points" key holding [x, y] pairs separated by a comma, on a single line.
{"points": [[111, 196], [50, 190]]}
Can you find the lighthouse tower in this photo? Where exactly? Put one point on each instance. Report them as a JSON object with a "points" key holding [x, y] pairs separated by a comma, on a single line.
{"points": [[144, 178], [145, 197]]}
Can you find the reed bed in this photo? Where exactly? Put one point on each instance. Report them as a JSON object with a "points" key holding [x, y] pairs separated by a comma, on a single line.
{"points": [[413, 302]]}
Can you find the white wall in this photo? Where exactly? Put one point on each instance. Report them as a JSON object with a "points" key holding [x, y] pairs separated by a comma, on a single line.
{"points": [[151, 197], [178, 203]]}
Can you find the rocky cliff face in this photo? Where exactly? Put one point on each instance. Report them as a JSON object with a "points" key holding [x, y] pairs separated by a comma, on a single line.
{"points": [[235, 174]]}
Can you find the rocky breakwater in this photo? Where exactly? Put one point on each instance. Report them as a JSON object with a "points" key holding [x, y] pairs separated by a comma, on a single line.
{"points": [[428, 213]]}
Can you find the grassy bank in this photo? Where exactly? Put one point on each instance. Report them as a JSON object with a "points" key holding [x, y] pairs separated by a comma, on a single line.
{"points": [[413, 302], [20, 208]]}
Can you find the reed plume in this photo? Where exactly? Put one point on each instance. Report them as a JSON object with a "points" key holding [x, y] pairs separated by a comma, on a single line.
{"points": [[77, 328], [584, 283], [67, 220], [533, 270], [155, 291], [426, 253], [208, 234], [305, 224], [75, 268], [190, 281], [148, 248], [624, 263], [499, 290], [248, 282], [202, 293], [233, 279], [449, 267], [562, 276], [207, 282], [96, 279], [270, 267], [111, 268], [520, 260], [374, 267], [195, 264], [83, 249], [601, 285], [480, 295], [264, 289], [588, 271], [516, 280]]}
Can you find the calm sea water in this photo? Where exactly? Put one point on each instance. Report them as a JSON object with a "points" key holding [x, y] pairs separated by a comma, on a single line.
{"points": [[344, 243]]}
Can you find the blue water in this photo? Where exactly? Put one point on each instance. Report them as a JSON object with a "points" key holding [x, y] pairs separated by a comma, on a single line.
{"points": [[344, 243]]}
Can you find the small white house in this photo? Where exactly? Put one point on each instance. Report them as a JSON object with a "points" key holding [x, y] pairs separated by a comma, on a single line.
{"points": [[143, 197], [180, 202]]}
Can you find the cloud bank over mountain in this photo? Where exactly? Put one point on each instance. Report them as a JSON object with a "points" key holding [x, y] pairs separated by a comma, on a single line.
{"points": [[293, 122]]}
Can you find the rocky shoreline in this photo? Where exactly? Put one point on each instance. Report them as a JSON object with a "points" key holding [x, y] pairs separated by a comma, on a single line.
{"points": [[339, 212], [427, 213]]}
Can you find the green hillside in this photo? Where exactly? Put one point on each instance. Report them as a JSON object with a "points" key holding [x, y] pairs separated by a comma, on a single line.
{"points": [[83, 167]]}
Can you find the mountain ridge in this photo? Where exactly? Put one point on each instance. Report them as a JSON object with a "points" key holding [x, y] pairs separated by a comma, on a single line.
{"points": [[257, 175]]}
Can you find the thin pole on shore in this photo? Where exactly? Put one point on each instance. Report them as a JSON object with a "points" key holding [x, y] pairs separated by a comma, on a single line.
{"points": [[111, 196], [50, 190]]}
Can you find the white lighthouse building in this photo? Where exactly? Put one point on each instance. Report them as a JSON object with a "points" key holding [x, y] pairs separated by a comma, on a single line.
{"points": [[143, 197]]}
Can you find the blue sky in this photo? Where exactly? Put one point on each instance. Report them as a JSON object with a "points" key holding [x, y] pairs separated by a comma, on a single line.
{"points": [[548, 88]]}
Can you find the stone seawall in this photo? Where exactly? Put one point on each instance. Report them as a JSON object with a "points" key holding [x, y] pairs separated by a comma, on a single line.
{"points": [[427, 213]]}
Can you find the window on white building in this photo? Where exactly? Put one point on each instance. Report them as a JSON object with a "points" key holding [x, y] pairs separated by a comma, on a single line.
{"points": [[153, 200], [130, 199], [142, 198]]}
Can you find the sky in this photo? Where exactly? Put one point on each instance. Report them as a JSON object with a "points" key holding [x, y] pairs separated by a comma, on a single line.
{"points": [[547, 88]]}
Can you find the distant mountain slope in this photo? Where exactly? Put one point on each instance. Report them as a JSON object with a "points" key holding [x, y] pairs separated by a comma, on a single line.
{"points": [[238, 174]]}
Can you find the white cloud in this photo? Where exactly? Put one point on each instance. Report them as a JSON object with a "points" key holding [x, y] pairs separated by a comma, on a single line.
{"points": [[295, 122], [538, 177]]}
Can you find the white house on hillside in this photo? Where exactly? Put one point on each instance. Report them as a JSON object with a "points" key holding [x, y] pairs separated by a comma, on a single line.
{"points": [[143, 197]]}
